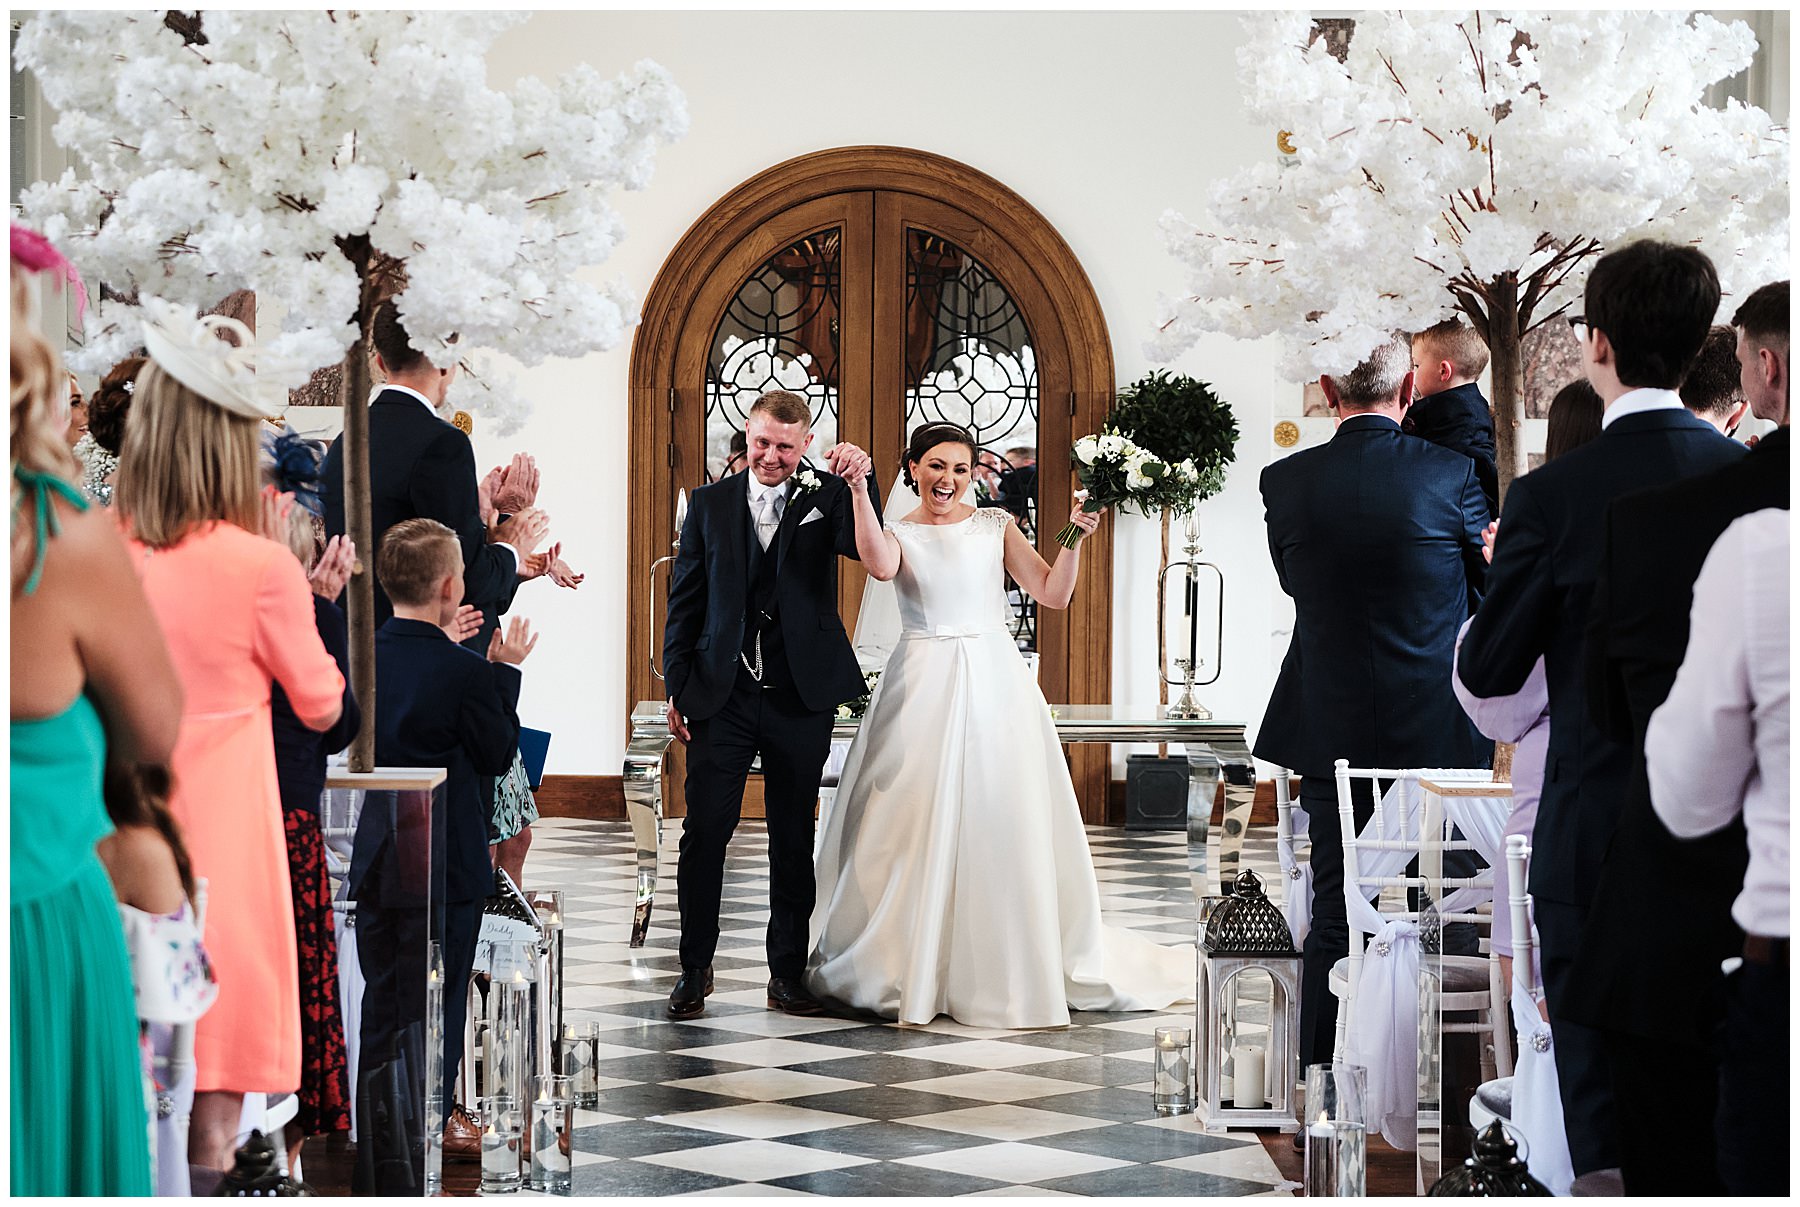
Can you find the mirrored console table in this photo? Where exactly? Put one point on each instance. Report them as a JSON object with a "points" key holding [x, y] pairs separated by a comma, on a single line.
{"points": [[1216, 753]]}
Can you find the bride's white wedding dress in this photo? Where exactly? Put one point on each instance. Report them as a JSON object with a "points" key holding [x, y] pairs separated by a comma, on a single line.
{"points": [[953, 870]]}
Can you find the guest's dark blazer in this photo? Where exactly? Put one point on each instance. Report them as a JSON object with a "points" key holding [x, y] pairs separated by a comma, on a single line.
{"points": [[1377, 536], [709, 594], [1661, 981], [420, 466], [440, 705], [1546, 560], [300, 752], [1459, 418]]}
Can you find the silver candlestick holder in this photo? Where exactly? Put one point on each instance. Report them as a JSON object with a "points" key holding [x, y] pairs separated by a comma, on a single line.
{"points": [[1187, 574]]}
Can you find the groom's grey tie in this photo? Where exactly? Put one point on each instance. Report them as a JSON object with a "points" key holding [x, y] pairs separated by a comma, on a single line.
{"points": [[769, 506]]}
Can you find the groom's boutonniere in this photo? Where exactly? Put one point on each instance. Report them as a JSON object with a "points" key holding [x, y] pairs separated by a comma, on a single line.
{"points": [[805, 478]]}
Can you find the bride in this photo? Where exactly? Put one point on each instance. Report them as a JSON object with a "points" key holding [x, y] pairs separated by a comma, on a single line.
{"points": [[953, 872]]}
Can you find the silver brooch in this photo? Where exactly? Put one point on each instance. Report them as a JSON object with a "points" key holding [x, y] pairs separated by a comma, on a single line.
{"points": [[165, 1106], [1540, 1041], [1294, 872], [1382, 947]]}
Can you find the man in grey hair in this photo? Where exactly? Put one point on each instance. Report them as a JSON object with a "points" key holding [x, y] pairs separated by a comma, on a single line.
{"points": [[1377, 537]]}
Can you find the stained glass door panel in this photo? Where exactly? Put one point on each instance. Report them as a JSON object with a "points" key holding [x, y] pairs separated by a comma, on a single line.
{"points": [[782, 330]]}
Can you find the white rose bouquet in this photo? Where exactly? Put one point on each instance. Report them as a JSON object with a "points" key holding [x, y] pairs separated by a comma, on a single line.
{"points": [[1117, 473]]}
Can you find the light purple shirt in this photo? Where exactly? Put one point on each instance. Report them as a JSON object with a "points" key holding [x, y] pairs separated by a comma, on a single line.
{"points": [[1719, 743]]}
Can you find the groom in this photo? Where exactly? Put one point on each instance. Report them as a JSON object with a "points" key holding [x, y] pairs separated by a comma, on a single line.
{"points": [[756, 662]]}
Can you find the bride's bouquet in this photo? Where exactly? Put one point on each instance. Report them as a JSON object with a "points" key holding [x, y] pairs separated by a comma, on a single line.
{"points": [[1117, 473]]}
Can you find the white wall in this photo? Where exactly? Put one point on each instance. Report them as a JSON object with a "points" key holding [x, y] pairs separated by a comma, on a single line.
{"points": [[1100, 121]]}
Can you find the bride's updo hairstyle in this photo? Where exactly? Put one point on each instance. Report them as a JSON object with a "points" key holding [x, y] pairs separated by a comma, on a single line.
{"points": [[927, 437]]}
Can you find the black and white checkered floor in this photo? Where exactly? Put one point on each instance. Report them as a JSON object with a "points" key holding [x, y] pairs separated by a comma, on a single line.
{"points": [[747, 1101]]}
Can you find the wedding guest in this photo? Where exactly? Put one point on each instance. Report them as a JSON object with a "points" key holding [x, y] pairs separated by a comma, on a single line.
{"points": [[236, 611], [1648, 308], [300, 754], [78, 415], [1638, 632], [422, 466], [1018, 481], [510, 489], [1524, 717], [1377, 536], [172, 978], [107, 408], [1448, 408], [438, 704], [1712, 389], [92, 685], [1718, 753]]}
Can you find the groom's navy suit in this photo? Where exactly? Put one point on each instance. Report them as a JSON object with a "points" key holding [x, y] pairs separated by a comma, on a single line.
{"points": [[1377, 537], [725, 588], [1547, 559]]}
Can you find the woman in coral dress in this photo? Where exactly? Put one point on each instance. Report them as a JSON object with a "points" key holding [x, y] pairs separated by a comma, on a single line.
{"points": [[237, 613]]}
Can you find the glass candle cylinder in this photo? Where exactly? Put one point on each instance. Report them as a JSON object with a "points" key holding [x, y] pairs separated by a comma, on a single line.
{"points": [[434, 1070], [1336, 1131], [549, 906], [581, 1062], [502, 1128], [508, 1007], [1172, 1080], [552, 1125]]}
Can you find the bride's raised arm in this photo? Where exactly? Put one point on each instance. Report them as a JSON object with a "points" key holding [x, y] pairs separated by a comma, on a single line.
{"points": [[1053, 586], [876, 548]]}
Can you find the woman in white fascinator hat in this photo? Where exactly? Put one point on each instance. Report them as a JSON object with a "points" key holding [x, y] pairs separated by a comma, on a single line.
{"points": [[238, 615]]}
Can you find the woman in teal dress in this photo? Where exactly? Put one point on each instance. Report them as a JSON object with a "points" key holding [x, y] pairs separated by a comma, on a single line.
{"points": [[91, 680]]}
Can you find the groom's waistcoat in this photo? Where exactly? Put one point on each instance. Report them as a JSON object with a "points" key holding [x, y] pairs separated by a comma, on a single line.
{"points": [[762, 613]]}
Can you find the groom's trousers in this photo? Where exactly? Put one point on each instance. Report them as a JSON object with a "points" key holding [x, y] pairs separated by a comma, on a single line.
{"points": [[793, 742]]}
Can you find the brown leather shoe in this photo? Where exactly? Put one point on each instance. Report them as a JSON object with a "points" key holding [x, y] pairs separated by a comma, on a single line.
{"points": [[462, 1136], [789, 996], [688, 998]]}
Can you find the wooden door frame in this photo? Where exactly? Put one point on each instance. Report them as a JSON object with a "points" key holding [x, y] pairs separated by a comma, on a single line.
{"points": [[1058, 281]]}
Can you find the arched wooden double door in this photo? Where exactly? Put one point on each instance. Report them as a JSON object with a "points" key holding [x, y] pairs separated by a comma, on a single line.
{"points": [[889, 287]]}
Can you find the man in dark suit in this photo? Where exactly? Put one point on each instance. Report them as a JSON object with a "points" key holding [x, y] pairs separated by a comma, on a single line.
{"points": [[419, 465], [1648, 308], [757, 662], [437, 705], [1654, 992], [1448, 408], [1377, 537]]}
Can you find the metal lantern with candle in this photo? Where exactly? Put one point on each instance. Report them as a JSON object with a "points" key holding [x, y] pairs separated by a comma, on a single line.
{"points": [[1246, 934]]}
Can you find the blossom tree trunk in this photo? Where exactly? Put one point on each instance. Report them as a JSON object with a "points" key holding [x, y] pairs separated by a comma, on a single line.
{"points": [[358, 512], [1506, 370]]}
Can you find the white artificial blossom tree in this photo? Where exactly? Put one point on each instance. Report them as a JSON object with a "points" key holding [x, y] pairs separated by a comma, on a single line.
{"points": [[1473, 163], [332, 161], [318, 157]]}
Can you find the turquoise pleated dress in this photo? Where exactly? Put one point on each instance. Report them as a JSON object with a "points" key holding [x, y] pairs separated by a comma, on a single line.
{"points": [[78, 1120]]}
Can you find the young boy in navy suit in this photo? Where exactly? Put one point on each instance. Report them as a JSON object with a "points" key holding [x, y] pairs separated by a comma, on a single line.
{"points": [[438, 704]]}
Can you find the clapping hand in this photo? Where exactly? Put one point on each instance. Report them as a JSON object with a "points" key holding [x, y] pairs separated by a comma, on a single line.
{"points": [[465, 624], [518, 484], [334, 567], [273, 522], [524, 531], [549, 562], [515, 646], [1487, 539]]}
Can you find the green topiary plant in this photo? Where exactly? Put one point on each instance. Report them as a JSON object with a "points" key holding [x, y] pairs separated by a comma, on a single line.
{"points": [[1179, 420]]}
